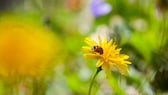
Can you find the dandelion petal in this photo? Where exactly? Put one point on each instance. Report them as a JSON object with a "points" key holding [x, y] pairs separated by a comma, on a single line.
{"points": [[99, 63]]}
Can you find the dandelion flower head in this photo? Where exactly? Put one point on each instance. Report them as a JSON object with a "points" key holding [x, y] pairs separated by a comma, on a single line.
{"points": [[108, 55], [25, 49]]}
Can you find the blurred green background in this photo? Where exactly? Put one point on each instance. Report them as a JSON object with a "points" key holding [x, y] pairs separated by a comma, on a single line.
{"points": [[139, 27]]}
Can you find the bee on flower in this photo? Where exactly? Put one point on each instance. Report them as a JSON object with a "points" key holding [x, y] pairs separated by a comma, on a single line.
{"points": [[108, 55]]}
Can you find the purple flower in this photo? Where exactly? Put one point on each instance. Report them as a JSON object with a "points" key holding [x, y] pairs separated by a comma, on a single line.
{"points": [[99, 8]]}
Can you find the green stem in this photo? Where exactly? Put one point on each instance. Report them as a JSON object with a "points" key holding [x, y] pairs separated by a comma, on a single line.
{"points": [[163, 30], [91, 84], [120, 80]]}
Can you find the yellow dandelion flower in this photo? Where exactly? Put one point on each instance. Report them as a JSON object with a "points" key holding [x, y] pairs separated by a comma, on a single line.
{"points": [[107, 54], [25, 49]]}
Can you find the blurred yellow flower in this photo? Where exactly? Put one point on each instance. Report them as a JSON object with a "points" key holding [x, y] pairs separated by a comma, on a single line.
{"points": [[107, 54], [25, 49]]}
